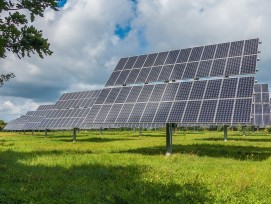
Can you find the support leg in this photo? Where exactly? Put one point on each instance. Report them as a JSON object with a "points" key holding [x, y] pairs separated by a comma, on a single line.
{"points": [[101, 130], [140, 131], [244, 130], [225, 133], [45, 133], [74, 134], [169, 139], [32, 132], [253, 130]]}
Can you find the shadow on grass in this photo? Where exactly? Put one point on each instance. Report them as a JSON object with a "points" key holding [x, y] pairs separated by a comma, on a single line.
{"points": [[93, 183], [245, 139], [226, 151], [94, 139]]}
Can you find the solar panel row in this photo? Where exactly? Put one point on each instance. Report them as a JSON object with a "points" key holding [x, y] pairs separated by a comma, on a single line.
{"points": [[261, 107], [225, 59], [207, 101]]}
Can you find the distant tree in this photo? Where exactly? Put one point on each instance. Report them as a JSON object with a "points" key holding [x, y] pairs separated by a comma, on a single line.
{"points": [[17, 34], [2, 124]]}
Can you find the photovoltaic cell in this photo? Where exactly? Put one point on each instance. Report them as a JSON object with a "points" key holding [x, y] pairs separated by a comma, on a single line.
{"points": [[178, 71], [122, 77], [121, 64], [165, 73], [172, 57], [176, 112], [198, 89], [184, 55], [160, 60], [208, 52], [137, 112], [170, 92], [207, 111], [251, 46], [150, 60], [242, 111], [112, 95], [125, 113], [192, 111], [145, 93], [248, 64], [132, 76], [190, 70], [224, 111], [123, 94], [218, 67], [102, 114], [130, 63], [222, 50], [162, 112], [133, 95], [156, 93], [112, 115], [140, 61], [229, 88], [143, 75], [183, 91], [233, 66], [204, 68], [149, 112], [236, 48], [245, 87], [154, 74], [112, 79], [196, 54]]}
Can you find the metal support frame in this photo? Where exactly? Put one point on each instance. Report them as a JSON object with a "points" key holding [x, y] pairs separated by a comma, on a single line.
{"points": [[32, 132], [225, 127], [45, 132], [169, 139], [101, 130], [74, 135], [140, 131], [253, 129], [244, 130]]}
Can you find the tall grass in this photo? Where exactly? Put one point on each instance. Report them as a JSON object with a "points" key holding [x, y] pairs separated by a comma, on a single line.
{"points": [[121, 167]]}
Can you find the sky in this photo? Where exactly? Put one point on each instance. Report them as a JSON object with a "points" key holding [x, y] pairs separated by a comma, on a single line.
{"points": [[88, 37]]}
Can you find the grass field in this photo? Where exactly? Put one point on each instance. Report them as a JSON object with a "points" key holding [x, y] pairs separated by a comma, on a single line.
{"points": [[121, 167]]}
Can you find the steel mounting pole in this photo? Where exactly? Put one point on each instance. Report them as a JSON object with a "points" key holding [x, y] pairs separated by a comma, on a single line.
{"points": [[225, 133], [169, 139], [74, 134]]}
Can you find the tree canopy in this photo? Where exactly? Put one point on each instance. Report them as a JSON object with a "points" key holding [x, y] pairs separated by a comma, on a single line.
{"points": [[17, 34]]}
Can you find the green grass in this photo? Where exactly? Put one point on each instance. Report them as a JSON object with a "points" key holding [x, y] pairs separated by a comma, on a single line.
{"points": [[121, 167]]}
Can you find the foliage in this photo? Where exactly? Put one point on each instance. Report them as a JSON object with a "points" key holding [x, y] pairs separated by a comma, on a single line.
{"points": [[5, 77], [2, 124], [17, 34], [121, 167]]}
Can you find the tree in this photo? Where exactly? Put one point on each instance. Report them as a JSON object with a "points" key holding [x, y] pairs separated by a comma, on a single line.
{"points": [[17, 35]]}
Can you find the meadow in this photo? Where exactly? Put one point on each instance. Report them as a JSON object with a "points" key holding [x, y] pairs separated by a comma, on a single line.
{"points": [[121, 167]]}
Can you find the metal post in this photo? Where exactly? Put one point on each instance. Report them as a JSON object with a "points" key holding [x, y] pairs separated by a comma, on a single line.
{"points": [[244, 130], [253, 130], [74, 134], [101, 130], [45, 132], [225, 133], [32, 132], [169, 139], [140, 131]]}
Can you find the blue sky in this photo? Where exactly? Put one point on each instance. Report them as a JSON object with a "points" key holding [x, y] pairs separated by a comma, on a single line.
{"points": [[88, 38], [61, 3]]}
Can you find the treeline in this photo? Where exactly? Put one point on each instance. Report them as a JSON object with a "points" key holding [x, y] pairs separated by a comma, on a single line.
{"points": [[2, 124]]}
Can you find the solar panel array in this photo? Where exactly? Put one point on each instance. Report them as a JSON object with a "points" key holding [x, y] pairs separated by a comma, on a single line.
{"points": [[261, 107], [70, 110], [198, 102], [189, 98], [233, 58], [18, 123], [37, 117]]}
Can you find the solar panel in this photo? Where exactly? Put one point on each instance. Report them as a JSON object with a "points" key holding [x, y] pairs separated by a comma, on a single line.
{"points": [[197, 102], [226, 59], [261, 107]]}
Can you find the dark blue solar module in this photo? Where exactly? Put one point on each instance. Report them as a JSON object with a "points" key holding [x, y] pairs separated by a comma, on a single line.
{"points": [[226, 59]]}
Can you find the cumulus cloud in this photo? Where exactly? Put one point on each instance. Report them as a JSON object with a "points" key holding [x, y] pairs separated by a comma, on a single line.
{"points": [[86, 46]]}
